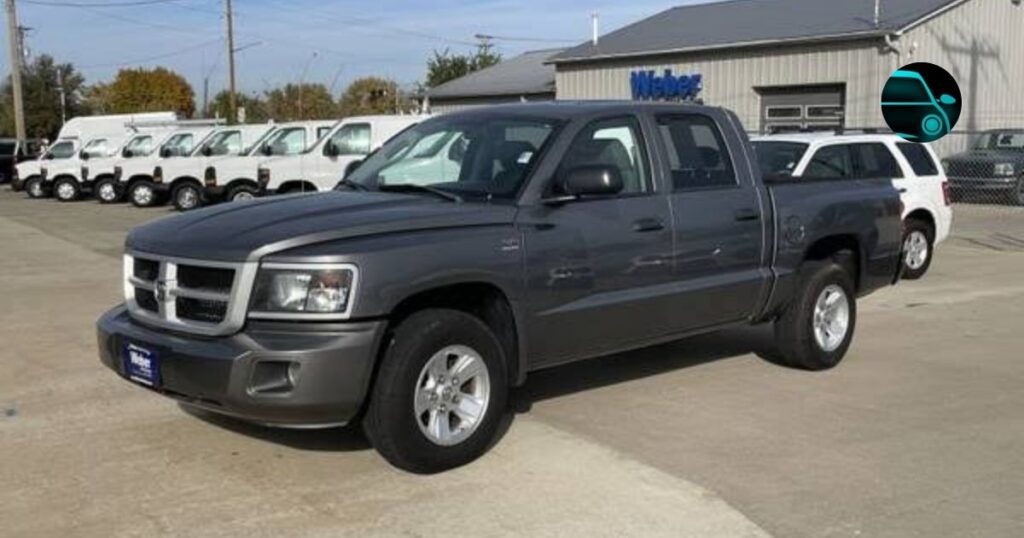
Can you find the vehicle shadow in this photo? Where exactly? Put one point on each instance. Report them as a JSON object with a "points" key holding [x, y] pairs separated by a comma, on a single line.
{"points": [[542, 385]]}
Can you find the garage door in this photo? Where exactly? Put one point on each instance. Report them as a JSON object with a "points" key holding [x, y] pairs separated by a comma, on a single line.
{"points": [[802, 108]]}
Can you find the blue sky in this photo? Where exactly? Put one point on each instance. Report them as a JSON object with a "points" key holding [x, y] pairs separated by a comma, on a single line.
{"points": [[328, 41]]}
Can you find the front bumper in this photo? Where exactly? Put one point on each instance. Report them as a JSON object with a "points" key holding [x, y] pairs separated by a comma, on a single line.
{"points": [[320, 373], [983, 183]]}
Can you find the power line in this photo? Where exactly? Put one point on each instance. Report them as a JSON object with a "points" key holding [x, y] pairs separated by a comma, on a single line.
{"points": [[127, 3], [154, 58]]}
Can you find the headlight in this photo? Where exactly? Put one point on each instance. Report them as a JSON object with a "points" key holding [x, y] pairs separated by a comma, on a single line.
{"points": [[303, 291], [263, 176], [1004, 169]]}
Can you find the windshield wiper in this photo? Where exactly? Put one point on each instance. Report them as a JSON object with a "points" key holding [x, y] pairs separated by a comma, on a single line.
{"points": [[352, 185], [411, 187]]}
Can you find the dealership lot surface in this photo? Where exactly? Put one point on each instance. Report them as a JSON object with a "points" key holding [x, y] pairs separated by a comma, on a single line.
{"points": [[919, 432]]}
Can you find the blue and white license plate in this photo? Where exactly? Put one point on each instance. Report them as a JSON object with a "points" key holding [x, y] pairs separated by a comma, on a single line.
{"points": [[141, 365]]}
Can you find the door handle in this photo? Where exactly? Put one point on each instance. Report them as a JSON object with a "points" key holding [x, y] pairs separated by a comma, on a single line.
{"points": [[746, 214], [648, 225]]}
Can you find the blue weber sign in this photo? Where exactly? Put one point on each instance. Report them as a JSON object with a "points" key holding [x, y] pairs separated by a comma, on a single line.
{"points": [[649, 86]]}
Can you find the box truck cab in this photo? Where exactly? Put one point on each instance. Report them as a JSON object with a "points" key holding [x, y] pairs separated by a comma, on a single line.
{"points": [[331, 158], [135, 176], [234, 178], [184, 176]]}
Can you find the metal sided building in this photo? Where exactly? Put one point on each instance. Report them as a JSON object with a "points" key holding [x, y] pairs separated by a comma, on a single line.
{"points": [[527, 77], [807, 64]]}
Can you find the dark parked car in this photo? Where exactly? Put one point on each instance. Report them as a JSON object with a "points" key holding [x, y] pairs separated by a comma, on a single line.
{"points": [[12, 152], [559, 232], [994, 166]]}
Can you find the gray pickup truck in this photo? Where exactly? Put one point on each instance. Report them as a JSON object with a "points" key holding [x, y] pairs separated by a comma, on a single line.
{"points": [[480, 246], [992, 167]]}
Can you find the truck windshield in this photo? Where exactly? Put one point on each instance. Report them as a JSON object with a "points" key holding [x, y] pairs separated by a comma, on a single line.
{"points": [[779, 158], [487, 157], [1005, 141]]}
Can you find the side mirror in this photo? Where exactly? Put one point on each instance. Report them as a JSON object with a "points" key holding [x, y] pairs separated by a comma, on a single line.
{"points": [[165, 152], [267, 150], [48, 156], [127, 153], [207, 151], [84, 155], [592, 180], [331, 149]]}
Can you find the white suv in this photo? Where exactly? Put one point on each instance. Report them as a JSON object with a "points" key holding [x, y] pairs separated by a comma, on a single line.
{"points": [[333, 157], [913, 168]]}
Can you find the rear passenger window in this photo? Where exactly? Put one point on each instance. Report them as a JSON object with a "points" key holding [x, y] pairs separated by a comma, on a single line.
{"points": [[919, 158], [830, 162], [698, 158], [875, 161]]}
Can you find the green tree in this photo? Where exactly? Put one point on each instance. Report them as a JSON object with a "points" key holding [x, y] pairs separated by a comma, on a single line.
{"points": [[255, 107], [41, 98], [150, 90], [445, 65], [373, 95], [300, 102]]}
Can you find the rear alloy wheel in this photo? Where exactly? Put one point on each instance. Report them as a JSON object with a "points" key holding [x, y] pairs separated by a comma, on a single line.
{"points": [[917, 249], [107, 191], [817, 327], [66, 190], [35, 189], [241, 193], [142, 194], [440, 397], [187, 196]]}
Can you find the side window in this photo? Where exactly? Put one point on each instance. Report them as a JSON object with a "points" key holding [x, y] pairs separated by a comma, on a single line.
{"points": [[179, 145], [875, 161], [830, 162], [698, 157], [353, 139], [95, 148], [63, 150], [231, 144], [614, 143], [919, 158], [289, 142]]}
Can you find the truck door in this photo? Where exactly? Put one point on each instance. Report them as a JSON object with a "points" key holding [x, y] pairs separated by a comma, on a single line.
{"points": [[720, 233], [351, 143], [595, 265]]}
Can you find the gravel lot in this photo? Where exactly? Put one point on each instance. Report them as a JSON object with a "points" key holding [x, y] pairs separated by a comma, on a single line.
{"points": [[920, 432]]}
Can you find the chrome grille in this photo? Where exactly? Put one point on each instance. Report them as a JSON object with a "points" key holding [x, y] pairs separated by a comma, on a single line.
{"points": [[201, 297]]}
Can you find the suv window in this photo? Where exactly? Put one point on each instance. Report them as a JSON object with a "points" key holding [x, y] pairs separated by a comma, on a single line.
{"points": [[352, 139], [830, 162], [698, 157], [919, 158], [614, 143], [874, 160], [61, 150]]}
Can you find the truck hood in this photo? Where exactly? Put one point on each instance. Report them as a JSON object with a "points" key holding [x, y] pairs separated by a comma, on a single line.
{"points": [[988, 156], [243, 231]]}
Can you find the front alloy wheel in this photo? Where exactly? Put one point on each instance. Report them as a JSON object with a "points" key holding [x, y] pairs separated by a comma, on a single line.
{"points": [[440, 396], [917, 249], [66, 190], [106, 191], [187, 197], [142, 194], [35, 188]]}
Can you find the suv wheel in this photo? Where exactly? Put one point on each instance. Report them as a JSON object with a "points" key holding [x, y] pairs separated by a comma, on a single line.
{"points": [[107, 191], [1017, 196], [816, 329], [242, 193], [66, 190], [142, 194], [441, 393], [918, 246], [34, 188], [187, 196]]}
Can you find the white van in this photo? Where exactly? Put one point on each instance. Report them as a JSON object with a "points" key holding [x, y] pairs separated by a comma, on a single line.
{"points": [[134, 176], [332, 158], [97, 173], [234, 178]]}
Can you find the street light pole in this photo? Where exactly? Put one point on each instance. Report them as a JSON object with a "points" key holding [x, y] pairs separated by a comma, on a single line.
{"points": [[14, 44]]}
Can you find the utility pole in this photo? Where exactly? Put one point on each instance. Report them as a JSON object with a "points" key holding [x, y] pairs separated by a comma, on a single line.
{"points": [[232, 100], [63, 97], [15, 44]]}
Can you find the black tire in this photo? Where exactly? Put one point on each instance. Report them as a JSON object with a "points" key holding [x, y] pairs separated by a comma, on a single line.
{"points": [[917, 231], [34, 188], [18, 185], [187, 196], [391, 422], [1017, 195], [66, 190], [107, 191], [143, 194], [795, 339], [241, 192]]}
